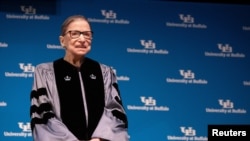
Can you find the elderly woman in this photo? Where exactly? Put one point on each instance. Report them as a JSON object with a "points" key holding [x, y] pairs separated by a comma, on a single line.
{"points": [[75, 98]]}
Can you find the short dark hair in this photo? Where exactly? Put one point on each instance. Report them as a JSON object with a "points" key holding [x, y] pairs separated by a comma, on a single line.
{"points": [[69, 20]]}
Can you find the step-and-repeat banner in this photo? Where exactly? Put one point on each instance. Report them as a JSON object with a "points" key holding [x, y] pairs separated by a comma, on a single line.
{"points": [[180, 66]]}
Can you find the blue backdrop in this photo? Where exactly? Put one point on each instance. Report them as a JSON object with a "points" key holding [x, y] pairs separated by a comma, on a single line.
{"points": [[180, 66]]}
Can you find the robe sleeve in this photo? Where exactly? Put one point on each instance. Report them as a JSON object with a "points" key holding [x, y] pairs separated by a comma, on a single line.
{"points": [[113, 125], [44, 123]]}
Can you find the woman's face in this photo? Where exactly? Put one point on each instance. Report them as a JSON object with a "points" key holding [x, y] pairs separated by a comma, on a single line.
{"points": [[77, 40]]}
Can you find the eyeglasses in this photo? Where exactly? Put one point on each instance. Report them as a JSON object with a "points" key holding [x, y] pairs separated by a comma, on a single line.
{"points": [[76, 34]]}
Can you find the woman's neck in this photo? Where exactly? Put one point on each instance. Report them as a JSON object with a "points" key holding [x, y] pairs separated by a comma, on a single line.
{"points": [[74, 61]]}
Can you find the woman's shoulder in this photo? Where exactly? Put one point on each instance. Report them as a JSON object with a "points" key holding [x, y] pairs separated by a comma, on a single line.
{"points": [[103, 66], [45, 66], [108, 70]]}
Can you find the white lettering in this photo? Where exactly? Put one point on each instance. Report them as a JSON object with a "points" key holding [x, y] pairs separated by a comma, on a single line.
{"points": [[216, 132]]}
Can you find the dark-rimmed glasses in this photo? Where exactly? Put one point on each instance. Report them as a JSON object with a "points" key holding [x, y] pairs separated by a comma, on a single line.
{"points": [[76, 34]]}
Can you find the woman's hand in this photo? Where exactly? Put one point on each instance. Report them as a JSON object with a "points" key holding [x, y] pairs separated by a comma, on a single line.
{"points": [[95, 139]]}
